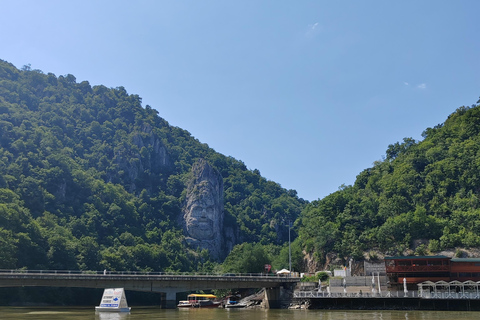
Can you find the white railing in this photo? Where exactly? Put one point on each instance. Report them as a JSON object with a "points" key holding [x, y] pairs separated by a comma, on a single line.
{"points": [[449, 295], [388, 294], [326, 294]]}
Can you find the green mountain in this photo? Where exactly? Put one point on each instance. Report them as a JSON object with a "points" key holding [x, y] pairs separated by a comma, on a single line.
{"points": [[423, 197], [90, 179]]}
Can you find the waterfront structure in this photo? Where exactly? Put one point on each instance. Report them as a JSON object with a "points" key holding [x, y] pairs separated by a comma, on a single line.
{"points": [[419, 269], [449, 290], [464, 269], [373, 268]]}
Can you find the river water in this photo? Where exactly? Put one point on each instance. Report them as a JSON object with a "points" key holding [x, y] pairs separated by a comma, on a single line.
{"points": [[154, 313]]}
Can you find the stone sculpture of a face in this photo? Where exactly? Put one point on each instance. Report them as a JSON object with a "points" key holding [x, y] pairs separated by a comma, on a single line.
{"points": [[202, 212]]}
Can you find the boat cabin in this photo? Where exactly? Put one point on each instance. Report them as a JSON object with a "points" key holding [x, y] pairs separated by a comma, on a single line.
{"points": [[195, 300]]}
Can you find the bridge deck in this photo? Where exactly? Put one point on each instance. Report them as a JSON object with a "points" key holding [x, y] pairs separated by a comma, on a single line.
{"points": [[157, 282]]}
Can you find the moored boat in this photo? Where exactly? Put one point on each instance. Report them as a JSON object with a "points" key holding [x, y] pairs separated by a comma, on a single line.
{"points": [[199, 301], [233, 303], [184, 304]]}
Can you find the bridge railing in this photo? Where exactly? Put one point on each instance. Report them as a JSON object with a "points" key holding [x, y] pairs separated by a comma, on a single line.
{"points": [[326, 294], [137, 273], [390, 294]]}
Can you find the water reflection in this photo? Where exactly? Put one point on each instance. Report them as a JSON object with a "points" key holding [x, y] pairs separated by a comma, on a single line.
{"points": [[112, 315], [155, 313]]}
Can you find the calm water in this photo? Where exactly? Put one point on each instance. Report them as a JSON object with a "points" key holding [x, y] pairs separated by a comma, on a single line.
{"points": [[68, 313]]}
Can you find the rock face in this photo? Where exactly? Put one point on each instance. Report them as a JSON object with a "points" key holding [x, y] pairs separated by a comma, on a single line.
{"points": [[150, 154], [203, 210]]}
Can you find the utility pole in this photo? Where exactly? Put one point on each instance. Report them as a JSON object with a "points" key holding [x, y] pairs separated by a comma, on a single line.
{"points": [[289, 249]]}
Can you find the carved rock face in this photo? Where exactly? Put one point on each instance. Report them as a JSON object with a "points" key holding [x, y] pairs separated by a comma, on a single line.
{"points": [[203, 212], [201, 217]]}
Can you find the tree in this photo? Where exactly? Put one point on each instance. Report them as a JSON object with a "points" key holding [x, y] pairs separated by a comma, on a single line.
{"points": [[246, 258]]}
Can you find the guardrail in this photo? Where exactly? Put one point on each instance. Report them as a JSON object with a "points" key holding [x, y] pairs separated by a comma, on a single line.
{"points": [[140, 273]]}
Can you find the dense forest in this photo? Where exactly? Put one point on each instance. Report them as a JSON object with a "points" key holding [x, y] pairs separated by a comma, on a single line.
{"points": [[422, 198], [92, 180]]}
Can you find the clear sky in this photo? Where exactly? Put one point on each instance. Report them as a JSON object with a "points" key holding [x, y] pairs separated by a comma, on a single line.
{"points": [[308, 92]]}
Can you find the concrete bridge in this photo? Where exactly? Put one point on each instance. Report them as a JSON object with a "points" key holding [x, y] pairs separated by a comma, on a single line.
{"points": [[167, 284]]}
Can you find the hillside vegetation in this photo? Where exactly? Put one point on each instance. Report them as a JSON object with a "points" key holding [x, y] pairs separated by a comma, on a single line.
{"points": [[427, 190], [90, 179]]}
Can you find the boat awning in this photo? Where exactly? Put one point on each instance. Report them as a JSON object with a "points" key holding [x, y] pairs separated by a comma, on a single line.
{"points": [[209, 296]]}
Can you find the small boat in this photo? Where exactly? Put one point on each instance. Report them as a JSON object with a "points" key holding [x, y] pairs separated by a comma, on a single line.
{"points": [[113, 300], [233, 303], [184, 304], [199, 301]]}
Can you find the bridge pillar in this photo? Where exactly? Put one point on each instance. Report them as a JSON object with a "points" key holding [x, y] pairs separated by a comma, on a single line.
{"points": [[168, 299], [272, 298]]}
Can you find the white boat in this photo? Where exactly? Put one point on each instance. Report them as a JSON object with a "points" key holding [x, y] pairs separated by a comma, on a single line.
{"points": [[184, 304], [199, 301], [113, 300]]}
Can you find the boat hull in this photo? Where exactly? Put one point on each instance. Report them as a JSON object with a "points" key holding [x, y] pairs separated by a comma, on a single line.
{"points": [[206, 304], [184, 304], [199, 305]]}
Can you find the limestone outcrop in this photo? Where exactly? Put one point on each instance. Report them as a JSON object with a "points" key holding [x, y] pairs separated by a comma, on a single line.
{"points": [[149, 154]]}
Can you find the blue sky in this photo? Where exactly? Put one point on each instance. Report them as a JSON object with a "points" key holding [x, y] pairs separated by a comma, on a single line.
{"points": [[308, 92]]}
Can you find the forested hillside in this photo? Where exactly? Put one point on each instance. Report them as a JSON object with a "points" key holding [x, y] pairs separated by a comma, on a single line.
{"points": [[427, 190], [90, 179]]}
